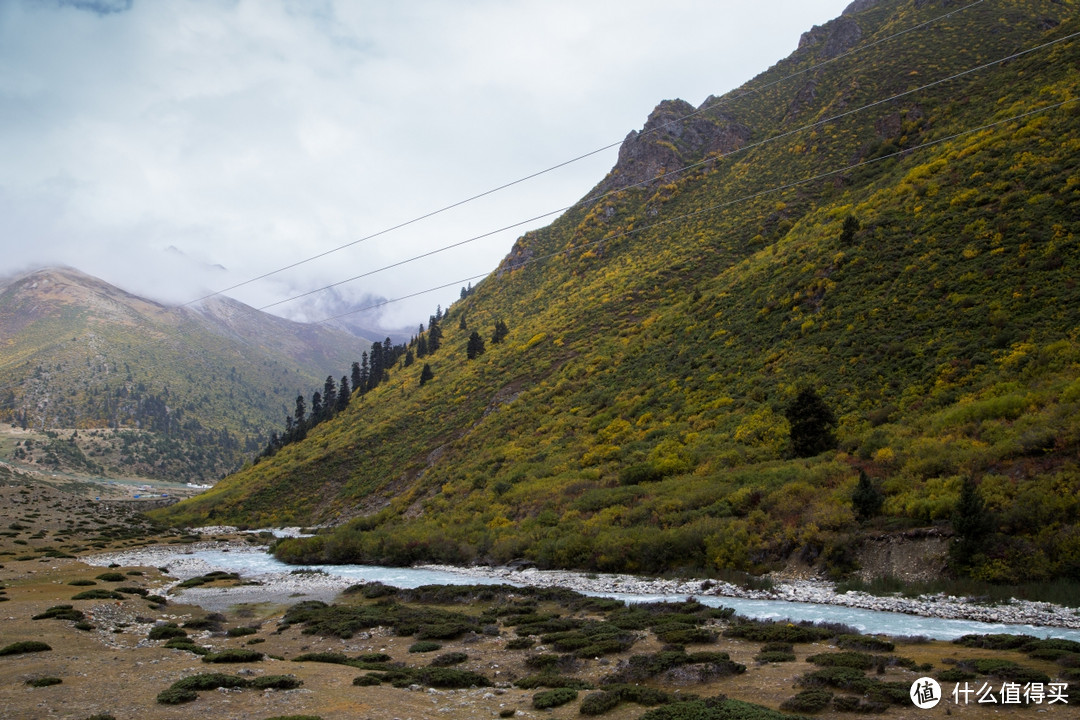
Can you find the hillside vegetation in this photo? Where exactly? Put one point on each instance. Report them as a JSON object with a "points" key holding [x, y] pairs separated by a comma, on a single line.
{"points": [[911, 262]]}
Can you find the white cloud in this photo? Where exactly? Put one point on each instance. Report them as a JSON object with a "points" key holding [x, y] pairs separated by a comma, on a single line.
{"points": [[254, 133]]}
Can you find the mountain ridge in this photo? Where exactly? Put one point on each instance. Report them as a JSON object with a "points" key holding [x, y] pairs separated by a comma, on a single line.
{"points": [[913, 266], [78, 352]]}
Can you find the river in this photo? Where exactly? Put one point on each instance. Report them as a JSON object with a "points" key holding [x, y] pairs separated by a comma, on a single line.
{"points": [[255, 562]]}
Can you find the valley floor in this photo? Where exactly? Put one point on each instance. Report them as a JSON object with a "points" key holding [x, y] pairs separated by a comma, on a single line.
{"points": [[107, 663]]}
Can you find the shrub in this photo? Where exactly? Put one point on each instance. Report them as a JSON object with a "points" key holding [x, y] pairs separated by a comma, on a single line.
{"points": [[241, 631], [111, 577], [82, 582], [176, 696], [551, 680], [277, 682], [868, 643], [520, 643], [598, 703], [165, 632], [366, 680], [44, 682], [210, 681], [448, 659], [98, 594], [553, 698], [775, 656], [24, 646], [61, 612], [233, 655], [813, 700], [323, 657], [955, 675], [424, 646]]}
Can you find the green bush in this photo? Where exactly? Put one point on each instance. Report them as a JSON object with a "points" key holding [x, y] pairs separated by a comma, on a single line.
{"points": [[44, 682], [448, 659], [24, 646], [276, 682], [176, 696], [811, 701], [165, 632], [111, 577], [98, 594], [598, 703], [553, 698], [775, 656], [210, 681], [520, 643], [366, 680], [61, 612], [241, 631], [82, 583], [868, 643], [425, 646], [233, 655]]}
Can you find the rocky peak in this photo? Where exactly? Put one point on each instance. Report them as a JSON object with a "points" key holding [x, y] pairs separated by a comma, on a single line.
{"points": [[674, 136]]}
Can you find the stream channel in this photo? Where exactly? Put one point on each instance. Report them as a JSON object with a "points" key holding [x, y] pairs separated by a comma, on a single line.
{"points": [[251, 562]]}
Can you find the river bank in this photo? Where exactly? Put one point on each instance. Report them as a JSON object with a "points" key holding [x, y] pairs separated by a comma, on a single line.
{"points": [[283, 584]]}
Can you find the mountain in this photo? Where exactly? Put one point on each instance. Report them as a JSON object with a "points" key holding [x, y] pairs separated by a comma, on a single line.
{"points": [[189, 392], [837, 303]]}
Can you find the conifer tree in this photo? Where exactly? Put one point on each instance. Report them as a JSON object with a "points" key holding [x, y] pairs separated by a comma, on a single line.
{"points": [[866, 499], [970, 522], [426, 374], [343, 394], [356, 375], [299, 413], [434, 335], [475, 346], [811, 423], [329, 397], [365, 373], [501, 331], [316, 407]]}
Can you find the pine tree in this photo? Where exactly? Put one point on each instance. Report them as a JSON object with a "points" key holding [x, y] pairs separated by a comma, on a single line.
{"points": [[475, 347], [434, 335], [847, 233], [811, 423], [344, 394], [299, 413], [355, 375], [329, 397], [426, 374], [501, 331], [971, 522], [316, 407], [867, 499], [421, 347], [409, 358], [365, 373]]}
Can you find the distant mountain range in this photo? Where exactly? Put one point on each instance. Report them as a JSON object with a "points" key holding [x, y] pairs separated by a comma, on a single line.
{"points": [[839, 301], [203, 385]]}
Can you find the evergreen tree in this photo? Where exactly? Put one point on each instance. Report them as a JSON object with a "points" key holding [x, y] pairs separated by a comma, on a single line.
{"points": [[847, 233], [462, 325], [365, 373], [426, 374], [409, 359], [355, 375], [329, 396], [501, 331], [299, 413], [421, 346], [344, 394], [811, 423], [375, 372], [971, 522], [867, 499], [475, 347], [316, 407], [464, 292], [434, 336]]}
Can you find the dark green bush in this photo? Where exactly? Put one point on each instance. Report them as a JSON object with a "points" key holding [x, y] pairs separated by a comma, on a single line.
{"points": [[165, 632], [241, 631], [61, 612], [775, 656], [210, 681], [365, 680], [276, 682], [424, 646], [176, 696], [448, 659], [955, 675], [98, 594], [598, 703], [868, 643], [24, 646], [82, 582], [551, 680], [233, 655], [111, 577], [520, 643], [809, 701], [553, 698], [44, 682]]}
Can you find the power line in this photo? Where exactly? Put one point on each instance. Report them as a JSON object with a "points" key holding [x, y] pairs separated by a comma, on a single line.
{"points": [[681, 170], [727, 203], [583, 156]]}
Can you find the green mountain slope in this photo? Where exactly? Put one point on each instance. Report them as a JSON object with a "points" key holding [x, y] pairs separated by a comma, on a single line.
{"points": [[912, 261], [189, 392]]}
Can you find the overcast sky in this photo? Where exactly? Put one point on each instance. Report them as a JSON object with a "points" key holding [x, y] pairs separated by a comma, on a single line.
{"points": [[176, 147]]}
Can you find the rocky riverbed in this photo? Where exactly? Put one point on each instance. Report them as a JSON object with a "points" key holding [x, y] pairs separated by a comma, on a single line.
{"points": [[288, 587]]}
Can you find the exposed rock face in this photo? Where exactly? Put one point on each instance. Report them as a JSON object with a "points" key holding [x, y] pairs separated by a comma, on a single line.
{"points": [[831, 39], [675, 135]]}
